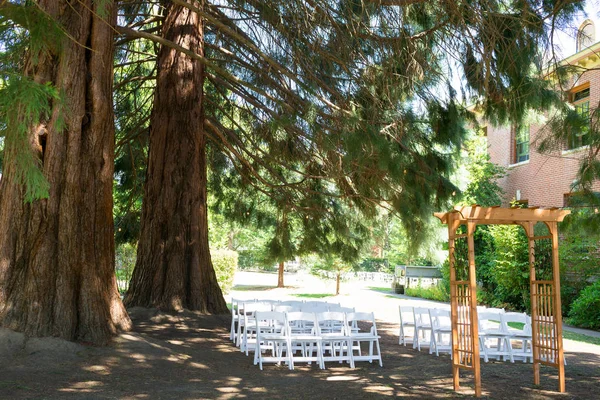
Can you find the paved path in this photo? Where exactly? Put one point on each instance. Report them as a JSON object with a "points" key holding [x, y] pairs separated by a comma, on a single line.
{"points": [[363, 296]]}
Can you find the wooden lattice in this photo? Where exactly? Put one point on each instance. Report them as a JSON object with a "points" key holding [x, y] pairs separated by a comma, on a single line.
{"points": [[545, 288]]}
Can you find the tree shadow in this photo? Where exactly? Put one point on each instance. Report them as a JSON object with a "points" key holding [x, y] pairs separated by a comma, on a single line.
{"points": [[188, 355]]}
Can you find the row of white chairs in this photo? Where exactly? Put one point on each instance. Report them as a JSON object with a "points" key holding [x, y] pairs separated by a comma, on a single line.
{"points": [[497, 338], [239, 305], [299, 336]]}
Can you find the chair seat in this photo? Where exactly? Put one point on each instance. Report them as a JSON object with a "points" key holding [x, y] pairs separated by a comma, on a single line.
{"points": [[364, 335]]}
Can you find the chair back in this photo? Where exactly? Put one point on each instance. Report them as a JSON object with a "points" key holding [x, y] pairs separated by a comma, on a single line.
{"points": [[491, 321], [331, 322], [275, 320], [368, 318], [517, 318], [422, 316], [439, 318], [300, 322], [407, 315]]}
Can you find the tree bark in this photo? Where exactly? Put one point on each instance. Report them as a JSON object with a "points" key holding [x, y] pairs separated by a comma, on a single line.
{"points": [[57, 255], [174, 269], [280, 274], [337, 284]]}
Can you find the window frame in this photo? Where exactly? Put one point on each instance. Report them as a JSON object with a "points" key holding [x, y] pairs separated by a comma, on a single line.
{"points": [[582, 106], [520, 155]]}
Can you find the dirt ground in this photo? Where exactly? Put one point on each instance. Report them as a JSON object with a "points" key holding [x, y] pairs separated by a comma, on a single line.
{"points": [[189, 356]]}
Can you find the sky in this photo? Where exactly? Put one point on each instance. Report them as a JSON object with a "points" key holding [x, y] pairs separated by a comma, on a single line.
{"points": [[565, 40]]}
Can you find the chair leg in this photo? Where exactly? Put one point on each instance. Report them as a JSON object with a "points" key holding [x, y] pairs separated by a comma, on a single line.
{"points": [[416, 338]]}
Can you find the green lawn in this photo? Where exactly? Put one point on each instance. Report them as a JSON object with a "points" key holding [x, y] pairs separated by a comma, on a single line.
{"points": [[313, 295]]}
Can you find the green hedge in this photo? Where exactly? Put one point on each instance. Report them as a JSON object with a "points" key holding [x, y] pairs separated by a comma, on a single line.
{"points": [[225, 264], [585, 310], [435, 292]]}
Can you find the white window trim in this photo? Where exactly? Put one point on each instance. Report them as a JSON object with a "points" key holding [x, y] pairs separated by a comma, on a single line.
{"points": [[518, 164]]}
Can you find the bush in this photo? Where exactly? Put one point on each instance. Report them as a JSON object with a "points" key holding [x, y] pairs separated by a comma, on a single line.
{"points": [[225, 264], [585, 310], [510, 272], [435, 292]]}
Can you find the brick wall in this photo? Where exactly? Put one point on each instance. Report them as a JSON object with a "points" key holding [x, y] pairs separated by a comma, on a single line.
{"points": [[545, 178]]}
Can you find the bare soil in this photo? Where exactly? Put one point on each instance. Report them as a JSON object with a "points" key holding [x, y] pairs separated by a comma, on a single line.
{"points": [[189, 356]]}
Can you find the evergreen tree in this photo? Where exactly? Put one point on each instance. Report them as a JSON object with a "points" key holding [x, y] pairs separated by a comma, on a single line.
{"points": [[309, 101], [56, 226]]}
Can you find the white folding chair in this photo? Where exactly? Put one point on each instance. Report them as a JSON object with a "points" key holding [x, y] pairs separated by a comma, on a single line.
{"points": [[285, 308], [237, 319], [441, 331], [422, 326], [407, 320], [248, 334], [303, 338], [368, 335], [493, 336], [295, 303], [522, 351], [271, 335], [331, 327]]}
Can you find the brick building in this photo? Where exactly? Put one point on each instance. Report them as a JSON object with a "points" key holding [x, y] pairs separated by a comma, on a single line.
{"points": [[545, 179]]}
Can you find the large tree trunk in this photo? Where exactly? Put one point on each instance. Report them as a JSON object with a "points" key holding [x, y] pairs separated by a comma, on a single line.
{"points": [[57, 255], [174, 269], [280, 274]]}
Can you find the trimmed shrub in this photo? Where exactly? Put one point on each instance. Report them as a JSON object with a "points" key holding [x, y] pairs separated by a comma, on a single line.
{"points": [[585, 310], [225, 264], [435, 292]]}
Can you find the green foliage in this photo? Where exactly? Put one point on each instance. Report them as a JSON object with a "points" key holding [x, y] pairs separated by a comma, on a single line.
{"points": [[125, 257], [331, 264], [579, 256], [435, 292], [134, 85], [585, 310], [483, 175], [374, 265], [23, 104], [254, 260], [511, 269], [26, 33], [225, 265]]}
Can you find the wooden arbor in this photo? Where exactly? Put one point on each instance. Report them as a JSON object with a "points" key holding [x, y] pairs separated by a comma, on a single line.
{"points": [[546, 315]]}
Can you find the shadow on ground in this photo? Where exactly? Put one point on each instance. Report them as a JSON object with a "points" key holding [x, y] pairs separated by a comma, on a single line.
{"points": [[189, 356]]}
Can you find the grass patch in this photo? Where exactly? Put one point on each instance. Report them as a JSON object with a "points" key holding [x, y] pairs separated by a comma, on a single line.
{"points": [[312, 295], [578, 337], [252, 288], [384, 289]]}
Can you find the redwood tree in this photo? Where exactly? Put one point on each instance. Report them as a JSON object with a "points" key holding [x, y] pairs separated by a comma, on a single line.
{"points": [[174, 269], [57, 253], [315, 103]]}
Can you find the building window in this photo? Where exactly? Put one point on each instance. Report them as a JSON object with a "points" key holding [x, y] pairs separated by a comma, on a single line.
{"points": [[521, 143], [581, 101], [586, 35]]}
